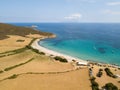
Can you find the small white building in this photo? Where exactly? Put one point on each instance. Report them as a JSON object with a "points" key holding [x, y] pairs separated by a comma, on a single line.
{"points": [[82, 63]]}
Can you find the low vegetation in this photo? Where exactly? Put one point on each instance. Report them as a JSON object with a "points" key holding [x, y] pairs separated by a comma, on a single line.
{"points": [[15, 51], [12, 52], [110, 86], [13, 76], [2, 56], [12, 67], [1, 71], [32, 41], [19, 50], [109, 73], [7, 29], [100, 73], [95, 85], [35, 50], [60, 59], [20, 40]]}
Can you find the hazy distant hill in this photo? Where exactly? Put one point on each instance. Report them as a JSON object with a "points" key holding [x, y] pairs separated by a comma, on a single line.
{"points": [[7, 29]]}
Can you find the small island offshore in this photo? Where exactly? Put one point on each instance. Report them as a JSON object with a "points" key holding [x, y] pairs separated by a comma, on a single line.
{"points": [[25, 65]]}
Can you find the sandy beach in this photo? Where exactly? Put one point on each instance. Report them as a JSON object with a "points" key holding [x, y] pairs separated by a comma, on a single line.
{"points": [[36, 45]]}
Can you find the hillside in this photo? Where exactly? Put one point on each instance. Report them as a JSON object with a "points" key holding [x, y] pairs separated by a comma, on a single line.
{"points": [[7, 29]]}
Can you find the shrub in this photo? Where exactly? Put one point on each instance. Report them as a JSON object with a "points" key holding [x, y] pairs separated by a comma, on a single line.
{"points": [[13, 76], [109, 73], [110, 86], [60, 59], [12, 67], [20, 40], [42, 53], [1, 71], [32, 41], [99, 74], [2, 55], [100, 69], [57, 58], [63, 60], [95, 85], [27, 46], [35, 50], [92, 78], [114, 76]]}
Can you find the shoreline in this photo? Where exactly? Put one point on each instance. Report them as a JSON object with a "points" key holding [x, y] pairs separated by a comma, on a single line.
{"points": [[50, 52]]}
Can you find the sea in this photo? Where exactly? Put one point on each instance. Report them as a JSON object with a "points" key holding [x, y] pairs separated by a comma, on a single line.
{"points": [[99, 42]]}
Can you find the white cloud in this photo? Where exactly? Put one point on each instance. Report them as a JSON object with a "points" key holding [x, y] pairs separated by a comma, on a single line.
{"points": [[113, 3], [89, 1], [112, 12], [74, 16]]}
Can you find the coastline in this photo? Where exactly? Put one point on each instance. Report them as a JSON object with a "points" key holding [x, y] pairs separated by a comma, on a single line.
{"points": [[25, 59], [52, 53], [49, 52]]}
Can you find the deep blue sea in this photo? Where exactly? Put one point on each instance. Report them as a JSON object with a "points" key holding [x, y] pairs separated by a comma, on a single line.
{"points": [[88, 41]]}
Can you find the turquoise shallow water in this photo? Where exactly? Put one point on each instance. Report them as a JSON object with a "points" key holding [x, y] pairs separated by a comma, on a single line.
{"points": [[85, 50], [89, 41]]}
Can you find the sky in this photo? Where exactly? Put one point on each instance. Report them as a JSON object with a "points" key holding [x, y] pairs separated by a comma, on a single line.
{"points": [[60, 11]]}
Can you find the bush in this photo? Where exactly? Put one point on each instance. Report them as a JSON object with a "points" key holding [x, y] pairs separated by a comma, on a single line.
{"points": [[32, 41], [99, 74], [2, 56], [57, 58], [92, 78], [109, 73], [35, 50], [42, 53], [13, 76], [110, 86], [60, 59], [1, 71], [63, 60], [95, 88], [100, 69], [95, 85], [27, 46], [20, 40], [12, 67]]}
